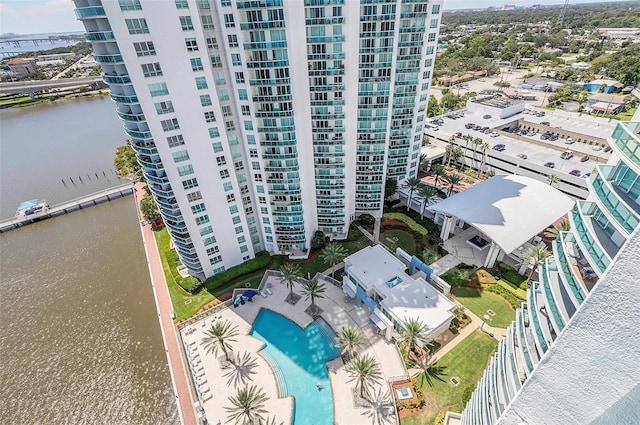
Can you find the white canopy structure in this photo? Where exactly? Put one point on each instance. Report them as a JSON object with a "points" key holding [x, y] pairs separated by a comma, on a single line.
{"points": [[508, 209]]}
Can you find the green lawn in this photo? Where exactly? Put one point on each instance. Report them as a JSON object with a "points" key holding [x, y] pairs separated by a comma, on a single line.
{"points": [[179, 295], [466, 362], [479, 302], [397, 238]]}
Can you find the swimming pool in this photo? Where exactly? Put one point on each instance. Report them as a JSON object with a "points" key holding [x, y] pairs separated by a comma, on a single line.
{"points": [[298, 358]]}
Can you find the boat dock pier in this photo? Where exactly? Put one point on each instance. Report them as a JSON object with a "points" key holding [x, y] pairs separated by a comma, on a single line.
{"points": [[80, 203]]}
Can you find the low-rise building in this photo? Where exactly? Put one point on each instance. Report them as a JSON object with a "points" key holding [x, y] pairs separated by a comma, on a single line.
{"points": [[377, 281], [605, 103], [21, 67], [467, 76]]}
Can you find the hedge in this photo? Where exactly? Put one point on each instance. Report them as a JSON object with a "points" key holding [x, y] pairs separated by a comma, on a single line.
{"points": [[408, 221], [259, 262], [508, 296], [190, 283], [520, 293]]}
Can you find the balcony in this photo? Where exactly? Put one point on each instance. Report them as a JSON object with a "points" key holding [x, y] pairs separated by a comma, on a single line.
{"points": [[131, 117], [585, 232], [90, 12], [627, 141], [115, 58], [138, 134], [99, 36], [607, 197], [127, 99], [116, 79]]}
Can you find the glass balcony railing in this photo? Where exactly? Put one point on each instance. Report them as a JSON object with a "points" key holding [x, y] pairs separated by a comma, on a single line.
{"points": [[116, 79], [124, 98], [115, 58], [591, 246], [138, 134], [131, 117], [556, 316], [606, 196], [90, 12], [567, 270], [100, 36], [535, 317]]}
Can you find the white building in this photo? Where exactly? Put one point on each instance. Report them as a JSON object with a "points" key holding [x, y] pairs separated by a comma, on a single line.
{"points": [[260, 122], [377, 281], [572, 354]]}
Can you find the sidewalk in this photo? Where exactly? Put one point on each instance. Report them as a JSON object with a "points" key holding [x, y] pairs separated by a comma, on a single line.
{"points": [[163, 305]]}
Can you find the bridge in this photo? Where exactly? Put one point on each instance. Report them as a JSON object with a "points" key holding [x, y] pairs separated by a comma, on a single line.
{"points": [[17, 87], [80, 203]]}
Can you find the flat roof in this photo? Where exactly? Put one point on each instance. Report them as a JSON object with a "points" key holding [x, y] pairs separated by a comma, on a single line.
{"points": [[509, 209], [374, 266]]}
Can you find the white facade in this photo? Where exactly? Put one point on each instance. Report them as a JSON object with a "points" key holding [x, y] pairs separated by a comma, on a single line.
{"points": [[260, 122]]}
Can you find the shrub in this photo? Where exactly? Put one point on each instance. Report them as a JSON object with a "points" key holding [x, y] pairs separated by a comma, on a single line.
{"points": [[409, 221], [367, 220], [514, 277], [259, 262], [520, 293], [467, 393], [508, 296], [439, 420], [457, 276], [430, 256], [189, 284], [319, 240]]}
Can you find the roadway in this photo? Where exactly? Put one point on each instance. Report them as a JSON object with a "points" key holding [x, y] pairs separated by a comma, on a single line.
{"points": [[17, 87]]}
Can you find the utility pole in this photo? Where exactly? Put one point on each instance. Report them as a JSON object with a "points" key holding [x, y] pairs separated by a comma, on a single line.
{"points": [[562, 12]]}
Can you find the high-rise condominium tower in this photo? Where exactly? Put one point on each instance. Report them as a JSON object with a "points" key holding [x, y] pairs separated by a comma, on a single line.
{"points": [[586, 366], [259, 122]]}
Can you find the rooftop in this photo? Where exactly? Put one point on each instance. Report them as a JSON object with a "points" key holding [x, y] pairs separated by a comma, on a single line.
{"points": [[405, 297]]}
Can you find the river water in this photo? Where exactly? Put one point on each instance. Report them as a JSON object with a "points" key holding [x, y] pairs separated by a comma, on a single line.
{"points": [[80, 341]]}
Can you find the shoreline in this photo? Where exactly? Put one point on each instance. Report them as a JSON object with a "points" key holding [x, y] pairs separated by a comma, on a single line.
{"points": [[50, 98]]}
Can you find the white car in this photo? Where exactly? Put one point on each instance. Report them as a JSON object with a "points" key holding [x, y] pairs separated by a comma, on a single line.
{"points": [[569, 141], [495, 134], [597, 148]]}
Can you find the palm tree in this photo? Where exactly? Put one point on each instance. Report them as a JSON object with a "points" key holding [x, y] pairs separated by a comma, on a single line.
{"points": [[438, 171], [467, 138], [412, 183], [552, 231], [289, 274], [449, 149], [484, 148], [247, 406], [552, 178], [365, 371], [312, 290], [452, 179], [425, 192], [219, 336], [534, 256], [456, 154], [333, 254], [477, 142], [430, 373], [351, 339], [414, 332], [424, 160]]}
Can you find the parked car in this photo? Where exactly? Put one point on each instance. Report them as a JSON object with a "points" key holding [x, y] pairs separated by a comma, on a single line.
{"points": [[607, 149], [484, 128], [522, 156], [550, 164], [597, 148], [553, 137], [458, 134], [575, 173], [469, 125], [477, 127], [566, 155], [494, 134], [544, 136], [540, 114], [586, 175], [545, 123], [584, 158], [569, 141], [499, 147]]}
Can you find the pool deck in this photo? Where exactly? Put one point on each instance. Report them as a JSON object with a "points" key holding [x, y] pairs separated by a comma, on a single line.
{"points": [[337, 314]]}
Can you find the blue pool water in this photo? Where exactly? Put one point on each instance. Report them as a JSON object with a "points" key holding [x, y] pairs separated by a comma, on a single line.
{"points": [[298, 358]]}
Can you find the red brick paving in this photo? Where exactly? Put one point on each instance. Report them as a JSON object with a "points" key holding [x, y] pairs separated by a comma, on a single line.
{"points": [[164, 307]]}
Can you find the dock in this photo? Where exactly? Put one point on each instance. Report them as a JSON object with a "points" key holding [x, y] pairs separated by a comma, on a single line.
{"points": [[79, 203]]}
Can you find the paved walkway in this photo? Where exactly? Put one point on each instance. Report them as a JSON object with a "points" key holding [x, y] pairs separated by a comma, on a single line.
{"points": [[164, 308]]}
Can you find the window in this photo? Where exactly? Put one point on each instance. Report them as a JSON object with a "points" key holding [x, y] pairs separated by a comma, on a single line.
{"points": [[203, 4], [230, 126], [182, 4], [221, 160], [192, 44], [233, 40], [213, 132], [239, 77], [238, 229], [175, 141], [224, 174], [227, 186], [215, 260], [137, 26], [151, 69], [207, 22], [214, 250], [241, 239], [185, 170], [201, 83], [180, 156], [433, 23], [228, 21], [435, 9], [231, 197], [144, 48], [198, 208], [245, 110], [212, 43], [189, 183], [255, 165], [216, 62], [171, 124], [233, 209], [226, 111], [130, 5], [158, 89], [202, 220], [205, 100], [185, 23], [206, 230], [164, 107], [217, 147], [209, 116], [235, 59], [248, 125], [243, 248], [431, 37], [242, 94], [236, 219], [194, 196], [196, 64]]}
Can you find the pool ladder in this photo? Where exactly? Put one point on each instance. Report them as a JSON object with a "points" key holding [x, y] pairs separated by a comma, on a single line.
{"points": [[277, 373]]}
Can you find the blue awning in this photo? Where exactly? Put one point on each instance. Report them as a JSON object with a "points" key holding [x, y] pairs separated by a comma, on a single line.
{"points": [[28, 204]]}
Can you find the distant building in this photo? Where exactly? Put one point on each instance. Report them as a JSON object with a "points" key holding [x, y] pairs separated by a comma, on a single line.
{"points": [[21, 67], [467, 76], [610, 86], [519, 94], [579, 65], [495, 105], [605, 103]]}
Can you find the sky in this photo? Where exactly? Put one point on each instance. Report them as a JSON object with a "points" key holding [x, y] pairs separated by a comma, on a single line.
{"points": [[44, 16]]}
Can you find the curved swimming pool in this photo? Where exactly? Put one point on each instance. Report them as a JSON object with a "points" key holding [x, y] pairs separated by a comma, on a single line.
{"points": [[298, 357]]}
